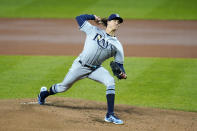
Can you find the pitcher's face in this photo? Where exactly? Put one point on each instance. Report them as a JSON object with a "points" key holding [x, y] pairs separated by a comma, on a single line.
{"points": [[113, 24]]}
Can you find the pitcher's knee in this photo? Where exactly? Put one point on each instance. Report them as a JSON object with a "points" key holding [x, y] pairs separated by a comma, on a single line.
{"points": [[109, 82]]}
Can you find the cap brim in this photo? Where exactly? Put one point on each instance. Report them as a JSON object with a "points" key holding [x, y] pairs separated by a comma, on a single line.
{"points": [[118, 18]]}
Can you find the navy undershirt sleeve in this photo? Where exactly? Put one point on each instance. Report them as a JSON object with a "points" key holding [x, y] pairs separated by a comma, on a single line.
{"points": [[121, 66], [82, 18]]}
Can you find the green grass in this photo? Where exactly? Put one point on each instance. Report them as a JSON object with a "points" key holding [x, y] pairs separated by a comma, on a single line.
{"points": [[152, 82], [132, 9]]}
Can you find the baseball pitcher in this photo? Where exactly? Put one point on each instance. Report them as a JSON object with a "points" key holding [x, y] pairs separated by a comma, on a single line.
{"points": [[99, 46]]}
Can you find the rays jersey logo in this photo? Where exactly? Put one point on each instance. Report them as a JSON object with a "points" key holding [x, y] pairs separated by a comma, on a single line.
{"points": [[101, 41]]}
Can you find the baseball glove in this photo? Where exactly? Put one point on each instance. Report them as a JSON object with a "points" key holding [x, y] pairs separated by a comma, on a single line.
{"points": [[117, 71]]}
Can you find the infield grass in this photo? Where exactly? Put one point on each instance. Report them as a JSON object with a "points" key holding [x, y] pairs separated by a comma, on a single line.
{"points": [[129, 9], [152, 82]]}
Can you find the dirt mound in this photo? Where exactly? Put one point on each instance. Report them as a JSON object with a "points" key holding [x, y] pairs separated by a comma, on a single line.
{"points": [[73, 114]]}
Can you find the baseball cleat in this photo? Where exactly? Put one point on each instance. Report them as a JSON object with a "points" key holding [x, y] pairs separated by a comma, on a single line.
{"points": [[42, 95], [113, 119], [41, 101]]}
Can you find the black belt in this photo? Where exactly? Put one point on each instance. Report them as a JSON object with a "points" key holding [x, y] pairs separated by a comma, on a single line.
{"points": [[91, 67]]}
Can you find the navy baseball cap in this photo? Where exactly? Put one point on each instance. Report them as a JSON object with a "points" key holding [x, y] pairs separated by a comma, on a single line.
{"points": [[115, 17]]}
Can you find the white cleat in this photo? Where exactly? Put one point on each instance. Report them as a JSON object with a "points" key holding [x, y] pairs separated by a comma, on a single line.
{"points": [[113, 119], [42, 95]]}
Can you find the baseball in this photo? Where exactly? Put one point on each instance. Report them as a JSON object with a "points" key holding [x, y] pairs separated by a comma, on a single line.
{"points": [[43, 89]]}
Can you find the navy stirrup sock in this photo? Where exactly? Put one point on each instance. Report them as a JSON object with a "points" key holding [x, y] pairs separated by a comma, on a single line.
{"points": [[52, 90], [110, 104], [44, 94]]}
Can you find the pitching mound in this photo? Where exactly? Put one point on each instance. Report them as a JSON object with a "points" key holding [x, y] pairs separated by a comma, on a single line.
{"points": [[72, 114]]}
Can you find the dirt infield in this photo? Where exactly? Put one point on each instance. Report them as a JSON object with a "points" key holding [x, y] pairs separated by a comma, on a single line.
{"points": [[62, 37], [64, 114]]}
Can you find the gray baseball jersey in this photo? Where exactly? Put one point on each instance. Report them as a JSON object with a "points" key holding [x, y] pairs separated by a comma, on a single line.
{"points": [[99, 46]]}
